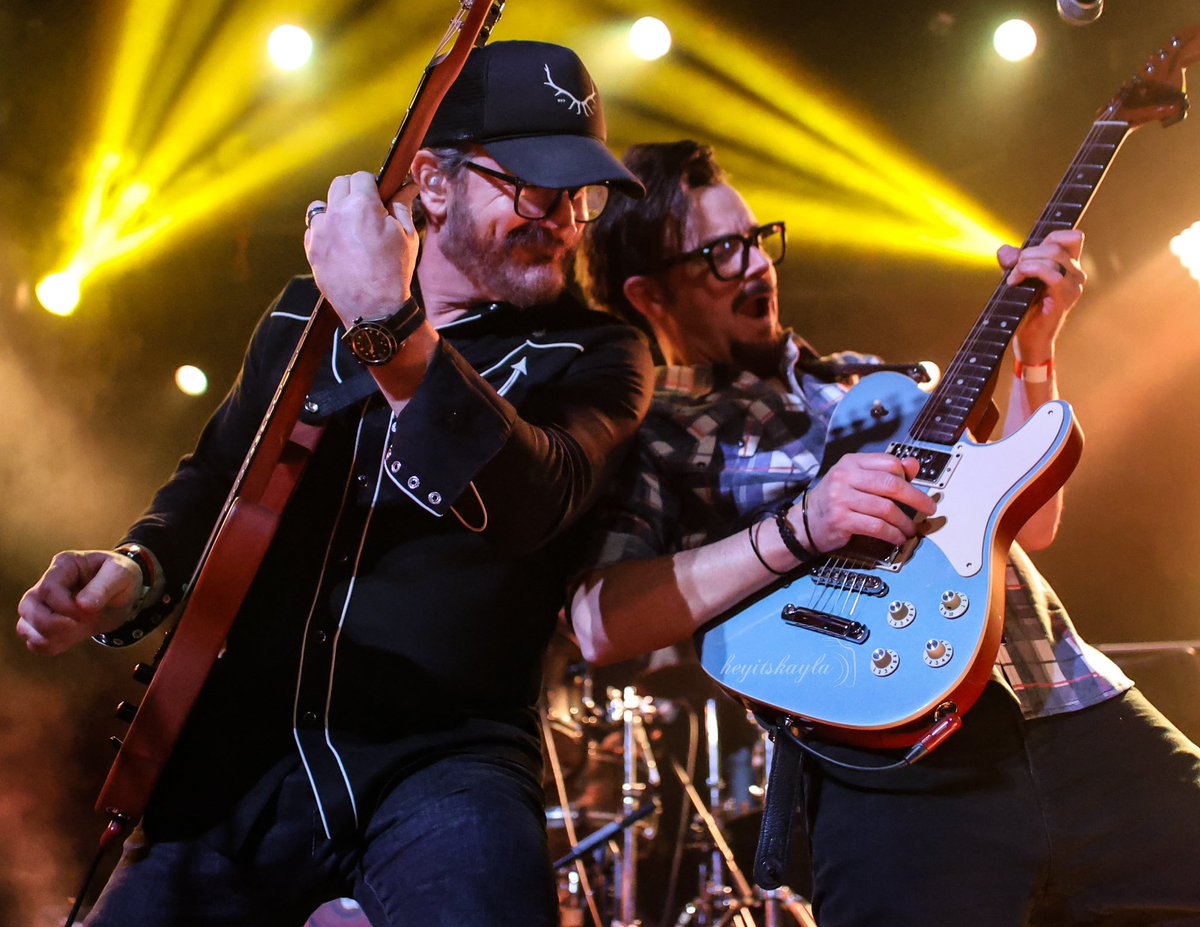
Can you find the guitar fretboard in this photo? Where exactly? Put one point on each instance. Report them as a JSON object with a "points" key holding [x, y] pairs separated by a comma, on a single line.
{"points": [[966, 380]]}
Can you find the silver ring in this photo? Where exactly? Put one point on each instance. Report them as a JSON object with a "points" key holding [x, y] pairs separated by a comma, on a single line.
{"points": [[314, 210]]}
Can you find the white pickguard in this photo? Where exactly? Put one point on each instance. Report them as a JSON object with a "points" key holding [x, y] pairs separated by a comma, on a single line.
{"points": [[982, 483]]}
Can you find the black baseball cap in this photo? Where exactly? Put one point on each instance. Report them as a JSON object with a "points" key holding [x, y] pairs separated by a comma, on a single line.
{"points": [[534, 108]]}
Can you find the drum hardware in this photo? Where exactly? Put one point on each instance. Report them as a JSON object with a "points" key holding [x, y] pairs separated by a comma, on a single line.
{"points": [[721, 904], [578, 881], [584, 883], [632, 709]]}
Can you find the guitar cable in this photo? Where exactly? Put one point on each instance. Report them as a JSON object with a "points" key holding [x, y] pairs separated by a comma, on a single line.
{"points": [[946, 721]]}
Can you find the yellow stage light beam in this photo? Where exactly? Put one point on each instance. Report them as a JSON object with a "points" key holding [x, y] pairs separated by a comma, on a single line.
{"points": [[220, 129], [280, 133]]}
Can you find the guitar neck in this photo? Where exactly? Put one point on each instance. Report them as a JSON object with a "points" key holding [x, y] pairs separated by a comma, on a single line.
{"points": [[971, 374]]}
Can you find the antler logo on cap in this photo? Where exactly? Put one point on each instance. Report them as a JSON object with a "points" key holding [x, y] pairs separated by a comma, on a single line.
{"points": [[584, 106]]}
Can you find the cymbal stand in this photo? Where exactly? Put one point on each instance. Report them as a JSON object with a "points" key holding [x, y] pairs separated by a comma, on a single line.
{"points": [[631, 709]]}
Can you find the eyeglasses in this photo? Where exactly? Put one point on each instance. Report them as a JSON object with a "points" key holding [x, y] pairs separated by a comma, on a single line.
{"points": [[729, 257], [531, 202]]}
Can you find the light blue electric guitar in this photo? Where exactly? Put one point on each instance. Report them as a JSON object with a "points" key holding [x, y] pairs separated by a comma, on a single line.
{"points": [[876, 644]]}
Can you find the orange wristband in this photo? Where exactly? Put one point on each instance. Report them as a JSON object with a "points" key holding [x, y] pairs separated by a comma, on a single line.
{"points": [[1033, 373]]}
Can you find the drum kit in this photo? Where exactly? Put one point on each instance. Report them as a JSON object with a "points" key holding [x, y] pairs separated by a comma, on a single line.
{"points": [[655, 783]]}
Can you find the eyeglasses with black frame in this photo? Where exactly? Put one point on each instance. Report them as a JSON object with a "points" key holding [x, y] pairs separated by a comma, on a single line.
{"points": [[533, 202], [729, 256]]}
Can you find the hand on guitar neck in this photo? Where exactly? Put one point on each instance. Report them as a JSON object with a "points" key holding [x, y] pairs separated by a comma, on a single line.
{"points": [[363, 255], [1054, 263]]}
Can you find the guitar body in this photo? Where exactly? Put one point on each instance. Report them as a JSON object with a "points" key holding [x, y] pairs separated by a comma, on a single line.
{"points": [[869, 643]]}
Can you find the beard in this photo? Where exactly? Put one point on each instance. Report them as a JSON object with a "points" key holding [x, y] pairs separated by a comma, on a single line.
{"points": [[526, 268]]}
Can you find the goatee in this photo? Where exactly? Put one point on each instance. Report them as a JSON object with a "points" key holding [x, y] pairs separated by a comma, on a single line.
{"points": [[527, 268]]}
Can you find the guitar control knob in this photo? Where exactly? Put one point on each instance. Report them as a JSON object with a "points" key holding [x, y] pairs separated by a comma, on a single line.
{"points": [[901, 614], [143, 673], [954, 603], [938, 652], [126, 711], [884, 662]]}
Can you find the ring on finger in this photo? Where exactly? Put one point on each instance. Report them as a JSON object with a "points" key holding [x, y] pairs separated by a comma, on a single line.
{"points": [[314, 210]]}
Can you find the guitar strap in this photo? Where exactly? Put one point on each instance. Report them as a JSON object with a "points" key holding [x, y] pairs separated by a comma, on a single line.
{"points": [[779, 811]]}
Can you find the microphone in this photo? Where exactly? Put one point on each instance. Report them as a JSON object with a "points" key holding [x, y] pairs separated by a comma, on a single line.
{"points": [[1080, 12]]}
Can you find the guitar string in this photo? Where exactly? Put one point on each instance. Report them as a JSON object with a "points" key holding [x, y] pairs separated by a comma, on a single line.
{"points": [[975, 338], [850, 585]]}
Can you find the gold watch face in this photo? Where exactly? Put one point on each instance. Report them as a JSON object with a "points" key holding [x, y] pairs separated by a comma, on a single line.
{"points": [[371, 343]]}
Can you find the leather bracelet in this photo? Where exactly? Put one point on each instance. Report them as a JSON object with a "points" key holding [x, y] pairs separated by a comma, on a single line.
{"points": [[788, 536], [146, 617]]}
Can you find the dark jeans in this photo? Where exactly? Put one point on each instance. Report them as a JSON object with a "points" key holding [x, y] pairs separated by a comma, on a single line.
{"points": [[459, 843], [1091, 817]]}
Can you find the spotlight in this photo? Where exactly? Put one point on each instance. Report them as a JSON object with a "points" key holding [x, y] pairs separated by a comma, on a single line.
{"points": [[59, 293], [192, 381], [1014, 40], [1186, 247], [289, 47], [649, 38]]}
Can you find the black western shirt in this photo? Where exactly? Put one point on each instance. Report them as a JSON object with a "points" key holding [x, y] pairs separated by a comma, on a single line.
{"points": [[403, 608]]}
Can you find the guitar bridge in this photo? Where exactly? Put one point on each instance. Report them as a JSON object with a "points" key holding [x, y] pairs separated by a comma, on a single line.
{"points": [[842, 628], [850, 581]]}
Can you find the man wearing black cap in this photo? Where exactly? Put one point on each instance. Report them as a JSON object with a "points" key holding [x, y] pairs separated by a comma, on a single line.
{"points": [[370, 729]]}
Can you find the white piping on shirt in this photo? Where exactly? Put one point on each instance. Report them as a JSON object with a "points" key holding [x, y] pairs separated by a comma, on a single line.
{"points": [[304, 647]]}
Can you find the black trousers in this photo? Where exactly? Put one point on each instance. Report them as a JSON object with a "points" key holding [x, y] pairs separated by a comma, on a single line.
{"points": [[1091, 817]]}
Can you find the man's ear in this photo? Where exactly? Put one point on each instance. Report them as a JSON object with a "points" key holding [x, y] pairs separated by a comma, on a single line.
{"points": [[432, 185], [646, 295]]}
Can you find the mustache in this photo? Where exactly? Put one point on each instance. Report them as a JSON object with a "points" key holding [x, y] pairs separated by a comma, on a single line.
{"points": [[536, 237], [755, 289]]}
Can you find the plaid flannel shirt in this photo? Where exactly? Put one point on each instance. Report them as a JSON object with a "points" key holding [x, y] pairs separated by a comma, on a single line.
{"points": [[720, 446]]}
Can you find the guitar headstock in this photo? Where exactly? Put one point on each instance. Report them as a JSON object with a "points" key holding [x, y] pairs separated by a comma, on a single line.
{"points": [[1157, 93], [470, 28]]}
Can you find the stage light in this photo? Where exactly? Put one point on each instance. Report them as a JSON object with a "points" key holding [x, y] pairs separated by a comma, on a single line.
{"points": [[289, 47], [649, 38], [192, 381], [225, 135], [1014, 40], [59, 293], [1186, 247]]}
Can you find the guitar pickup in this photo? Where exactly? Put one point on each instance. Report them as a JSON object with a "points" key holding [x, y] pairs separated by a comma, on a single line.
{"points": [[933, 463], [842, 628]]}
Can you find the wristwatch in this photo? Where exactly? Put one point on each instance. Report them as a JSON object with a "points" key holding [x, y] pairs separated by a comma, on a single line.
{"points": [[377, 341]]}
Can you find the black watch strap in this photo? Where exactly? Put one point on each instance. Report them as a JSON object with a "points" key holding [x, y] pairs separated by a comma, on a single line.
{"points": [[377, 341]]}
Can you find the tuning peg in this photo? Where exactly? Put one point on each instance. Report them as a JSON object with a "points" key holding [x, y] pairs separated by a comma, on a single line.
{"points": [[126, 711]]}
